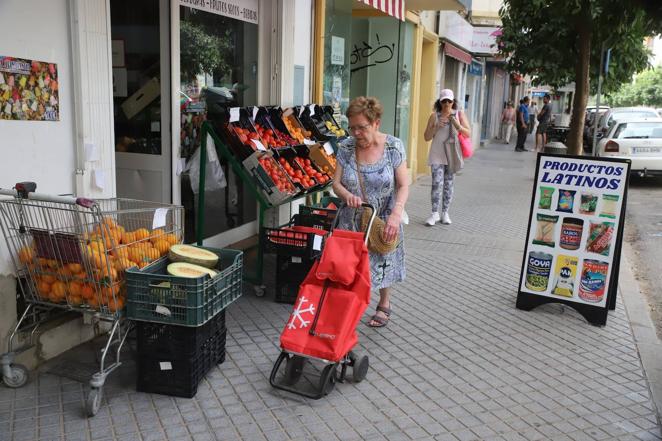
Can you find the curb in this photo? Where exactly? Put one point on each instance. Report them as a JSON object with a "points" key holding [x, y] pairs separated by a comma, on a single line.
{"points": [[645, 337]]}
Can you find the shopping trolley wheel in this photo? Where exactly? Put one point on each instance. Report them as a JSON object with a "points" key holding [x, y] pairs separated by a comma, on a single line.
{"points": [[294, 369], [328, 379], [19, 376], [93, 402], [360, 368]]}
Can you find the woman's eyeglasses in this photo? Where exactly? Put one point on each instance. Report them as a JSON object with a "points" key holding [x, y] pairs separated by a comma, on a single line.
{"points": [[361, 128]]}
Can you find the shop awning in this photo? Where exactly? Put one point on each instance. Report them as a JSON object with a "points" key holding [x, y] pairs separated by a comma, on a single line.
{"points": [[394, 8], [457, 53]]}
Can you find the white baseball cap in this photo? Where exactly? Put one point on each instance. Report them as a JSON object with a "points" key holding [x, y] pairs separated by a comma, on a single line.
{"points": [[446, 94]]}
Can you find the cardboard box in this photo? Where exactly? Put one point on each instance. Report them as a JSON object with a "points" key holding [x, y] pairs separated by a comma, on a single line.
{"points": [[142, 98]]}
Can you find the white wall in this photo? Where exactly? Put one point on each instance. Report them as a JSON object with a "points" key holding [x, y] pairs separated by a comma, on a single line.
{"points": [[40, 151]]}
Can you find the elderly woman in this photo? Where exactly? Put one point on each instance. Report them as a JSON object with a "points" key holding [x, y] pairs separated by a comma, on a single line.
{"points": [[445, 156], [372, 168]]}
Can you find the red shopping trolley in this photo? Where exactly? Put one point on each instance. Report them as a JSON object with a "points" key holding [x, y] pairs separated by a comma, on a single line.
{"points": [[322, 327]]}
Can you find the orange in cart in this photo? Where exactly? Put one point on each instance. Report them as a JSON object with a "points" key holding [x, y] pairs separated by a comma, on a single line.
{"points": [[141, 233], [162, 246], [156, 235], [26, 254], [128, 237], [44, 289], [86, 291]]}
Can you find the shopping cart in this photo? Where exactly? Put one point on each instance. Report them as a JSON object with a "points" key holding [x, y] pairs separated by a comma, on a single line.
{"points": [[70, 254], [322, 327]]}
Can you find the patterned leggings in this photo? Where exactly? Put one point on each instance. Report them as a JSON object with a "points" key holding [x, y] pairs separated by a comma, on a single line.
{"points": [[440, 174]]}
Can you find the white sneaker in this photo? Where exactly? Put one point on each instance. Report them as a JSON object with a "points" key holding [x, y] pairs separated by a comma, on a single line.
{"points": [[433, 219], [445, 218]]}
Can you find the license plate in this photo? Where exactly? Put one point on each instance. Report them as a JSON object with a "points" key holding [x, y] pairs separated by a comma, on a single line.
{"points": [[646, 150]]}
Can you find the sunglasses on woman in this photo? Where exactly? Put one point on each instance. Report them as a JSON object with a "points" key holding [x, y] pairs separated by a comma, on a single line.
{"points": [[446, 101]]}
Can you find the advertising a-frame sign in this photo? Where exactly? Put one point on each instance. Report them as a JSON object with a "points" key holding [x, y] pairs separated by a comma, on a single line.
{"points": [[575, 233]]}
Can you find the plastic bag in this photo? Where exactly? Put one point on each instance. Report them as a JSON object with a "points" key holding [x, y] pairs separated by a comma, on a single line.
{"points": [[214, 176]]}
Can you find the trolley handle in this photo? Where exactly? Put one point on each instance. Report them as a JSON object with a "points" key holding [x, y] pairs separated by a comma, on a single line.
{"points": [[363, 205], [26, 190]]}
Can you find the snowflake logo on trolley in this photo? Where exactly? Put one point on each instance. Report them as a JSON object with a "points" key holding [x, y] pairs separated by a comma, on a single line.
{"points": [[297, 314]]}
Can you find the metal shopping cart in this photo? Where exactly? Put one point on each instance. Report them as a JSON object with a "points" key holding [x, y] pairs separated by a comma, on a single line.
{"points": [[322, 327], [70, 254]]}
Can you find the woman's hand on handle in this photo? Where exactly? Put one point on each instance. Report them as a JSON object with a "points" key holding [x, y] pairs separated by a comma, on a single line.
{"points": [[353, 201]]}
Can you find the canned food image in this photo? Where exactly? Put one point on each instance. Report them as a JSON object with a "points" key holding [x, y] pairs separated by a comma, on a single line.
{"points": [[593, 281], [538, 267], [571, 233]]}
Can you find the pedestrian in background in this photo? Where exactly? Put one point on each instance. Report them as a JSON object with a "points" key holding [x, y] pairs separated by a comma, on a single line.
{"points": [[507, 121], [445, 156], [544, 116], [372, 168], [522, 118], [533, 114]]}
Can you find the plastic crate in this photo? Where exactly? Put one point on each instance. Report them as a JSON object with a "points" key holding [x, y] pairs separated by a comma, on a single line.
{"points": [[155, 296], [179, 377], [287, 242], [315, 217], [177, 342], [290, 273]]}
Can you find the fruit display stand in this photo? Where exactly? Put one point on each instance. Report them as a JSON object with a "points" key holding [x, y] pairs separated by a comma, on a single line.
{"points": [[271, 182]]}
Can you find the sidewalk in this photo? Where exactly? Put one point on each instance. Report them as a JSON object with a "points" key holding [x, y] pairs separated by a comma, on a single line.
{"points": [[457, 361]]}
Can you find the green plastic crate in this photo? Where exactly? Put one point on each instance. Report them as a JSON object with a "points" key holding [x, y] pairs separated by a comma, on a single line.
{"points": [[155, 296]]}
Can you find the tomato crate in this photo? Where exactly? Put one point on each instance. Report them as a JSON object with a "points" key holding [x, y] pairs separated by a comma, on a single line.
{"points": [[177, 342], [294, 240], [270, 177], [290, 273], [176, 377], [153, 295]]}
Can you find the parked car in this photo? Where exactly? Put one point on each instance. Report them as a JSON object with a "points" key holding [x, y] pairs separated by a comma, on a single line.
{"points": [[639, 140], [621, 114]]}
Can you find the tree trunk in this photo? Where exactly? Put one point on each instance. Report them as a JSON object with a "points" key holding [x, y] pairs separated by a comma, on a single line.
{"points": [[575, 140]]}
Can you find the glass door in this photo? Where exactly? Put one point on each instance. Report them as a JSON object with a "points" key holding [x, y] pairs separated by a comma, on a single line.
{"points": [[141, 90]]}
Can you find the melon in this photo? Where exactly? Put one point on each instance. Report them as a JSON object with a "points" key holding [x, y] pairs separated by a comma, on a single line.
{"points": [[189, 270], [194, 255]]}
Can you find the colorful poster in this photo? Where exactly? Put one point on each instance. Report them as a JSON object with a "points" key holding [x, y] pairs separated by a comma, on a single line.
{"points": [[28, 90], [573, 241]]}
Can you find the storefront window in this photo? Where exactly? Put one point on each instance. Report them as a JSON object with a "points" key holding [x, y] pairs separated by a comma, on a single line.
{"points": [[136, 76], [218, 69], [381, 66], [338, 30]]}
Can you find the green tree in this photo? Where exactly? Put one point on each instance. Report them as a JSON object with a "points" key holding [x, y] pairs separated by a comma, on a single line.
{"points": [[560, 41], [645, 90], [202, 51]]}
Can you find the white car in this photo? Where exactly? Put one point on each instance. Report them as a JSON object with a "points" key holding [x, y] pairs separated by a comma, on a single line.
{"points": [[639, 140]]}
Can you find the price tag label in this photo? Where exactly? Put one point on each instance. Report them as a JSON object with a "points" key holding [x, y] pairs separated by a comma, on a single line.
{"points": [[296, 259], [328, 148], [254, 112], [259, 145], [308, 141], [234, 114], [317, 242], [311, 109], [165, 365], [159, 220]]}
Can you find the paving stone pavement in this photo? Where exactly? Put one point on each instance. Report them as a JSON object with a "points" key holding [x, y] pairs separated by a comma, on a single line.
{"points": [[457, 362]]}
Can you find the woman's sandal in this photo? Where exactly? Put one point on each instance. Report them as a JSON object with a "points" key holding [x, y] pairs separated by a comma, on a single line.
{"points": [[381, 321]]}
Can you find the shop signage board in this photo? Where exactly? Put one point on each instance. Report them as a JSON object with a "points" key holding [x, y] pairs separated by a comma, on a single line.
{"points": [[575, 233], [29, 90], [484, 40], [244, 10]]}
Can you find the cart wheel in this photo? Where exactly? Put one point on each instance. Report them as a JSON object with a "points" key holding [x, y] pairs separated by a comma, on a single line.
{"points": [[19, 376], [328, 379], [259, 290], [294, 369], [360, 368], [93, 402]]}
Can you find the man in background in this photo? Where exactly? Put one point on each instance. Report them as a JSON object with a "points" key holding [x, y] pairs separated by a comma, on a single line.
{"points": [[522, 120], [544, 116]]}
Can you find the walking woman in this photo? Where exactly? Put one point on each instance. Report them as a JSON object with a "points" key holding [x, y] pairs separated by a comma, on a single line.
{"points": [[445, 157], [372, 168]]}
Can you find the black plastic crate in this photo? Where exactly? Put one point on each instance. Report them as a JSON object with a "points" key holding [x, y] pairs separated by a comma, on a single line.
{"points": [[177, 342], [315, 217], [287, 242], [290, 273], [179, 377]]}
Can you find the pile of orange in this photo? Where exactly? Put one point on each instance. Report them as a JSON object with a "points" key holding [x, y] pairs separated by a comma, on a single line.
{"points": [[98, 282]]}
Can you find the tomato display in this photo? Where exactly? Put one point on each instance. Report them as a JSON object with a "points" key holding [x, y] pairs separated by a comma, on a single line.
{"points": [[307, 166], [245, 135], [277, 175], [297, 174], [269, 137]]}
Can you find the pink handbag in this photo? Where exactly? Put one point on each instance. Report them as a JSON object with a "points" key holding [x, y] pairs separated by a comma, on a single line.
{"points": [[465, 143]]}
